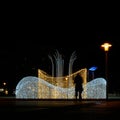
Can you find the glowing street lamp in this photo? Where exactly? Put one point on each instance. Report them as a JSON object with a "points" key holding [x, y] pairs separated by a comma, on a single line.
{"points": [[106, 47]]}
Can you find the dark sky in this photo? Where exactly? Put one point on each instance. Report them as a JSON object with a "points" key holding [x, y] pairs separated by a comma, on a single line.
{"points": [[33, 54], [27, 55], [29, 39]]}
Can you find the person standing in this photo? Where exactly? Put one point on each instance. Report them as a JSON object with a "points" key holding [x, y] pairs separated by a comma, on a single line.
{"points": [[78, 86]]}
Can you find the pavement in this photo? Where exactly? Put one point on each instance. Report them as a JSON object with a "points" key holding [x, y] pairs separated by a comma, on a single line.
{"points": [[60, 109]]}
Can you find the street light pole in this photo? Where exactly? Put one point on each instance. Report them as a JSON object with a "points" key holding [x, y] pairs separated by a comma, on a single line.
{"points": [[106, 47], [106, 65]]}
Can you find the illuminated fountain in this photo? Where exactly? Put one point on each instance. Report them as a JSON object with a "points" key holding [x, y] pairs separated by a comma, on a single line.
{"points": [[47, 87], [60, 87]]}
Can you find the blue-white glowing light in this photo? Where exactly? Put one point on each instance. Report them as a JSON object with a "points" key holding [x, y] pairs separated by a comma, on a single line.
{"points": [[93, 68]]}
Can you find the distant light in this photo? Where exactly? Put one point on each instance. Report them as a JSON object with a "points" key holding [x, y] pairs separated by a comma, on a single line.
{"points": [[93, 68], [1, 89], [4, 83], [6, 92]]}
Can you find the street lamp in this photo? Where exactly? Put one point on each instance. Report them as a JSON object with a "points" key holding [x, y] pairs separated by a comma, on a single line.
{"points": [[106, 47]]}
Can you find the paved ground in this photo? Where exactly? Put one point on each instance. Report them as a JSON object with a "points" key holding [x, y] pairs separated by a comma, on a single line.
{"points": [[60, 109]]}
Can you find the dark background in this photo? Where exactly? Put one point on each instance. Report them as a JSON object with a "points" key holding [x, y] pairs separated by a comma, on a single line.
{"points": [[88, 51], [30, 55], [27, 38]]}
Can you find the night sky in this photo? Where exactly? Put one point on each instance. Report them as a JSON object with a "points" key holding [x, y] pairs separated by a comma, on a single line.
{"points": [[32, 55], [25, 57], [24, 51]]}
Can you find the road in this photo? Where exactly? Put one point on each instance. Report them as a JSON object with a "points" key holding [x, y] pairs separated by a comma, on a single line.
{"points": [[60, 109]]}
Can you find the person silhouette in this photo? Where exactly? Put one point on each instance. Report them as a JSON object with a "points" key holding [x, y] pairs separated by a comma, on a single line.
{"points": [[78, 87]]}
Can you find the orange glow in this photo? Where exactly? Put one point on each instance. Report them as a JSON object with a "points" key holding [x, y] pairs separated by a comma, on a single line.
{"points": [[106, 46]]}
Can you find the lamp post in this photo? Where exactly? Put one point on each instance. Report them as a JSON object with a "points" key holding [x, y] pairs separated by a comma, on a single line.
{"points": [[106, 47]]}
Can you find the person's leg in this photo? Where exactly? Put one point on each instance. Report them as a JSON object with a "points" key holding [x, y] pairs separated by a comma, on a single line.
{"points": [[80, 98], [76, 94]]}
